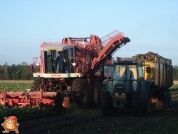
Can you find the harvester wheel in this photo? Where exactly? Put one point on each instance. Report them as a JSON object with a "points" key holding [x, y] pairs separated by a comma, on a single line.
{"points": [[36, 84], [81, 91], [96, 94], [137, 103], [106, 103]]}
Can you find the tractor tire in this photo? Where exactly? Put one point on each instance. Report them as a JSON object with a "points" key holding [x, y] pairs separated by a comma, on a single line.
{"points": [[169, 99], [36, 84], [137, 103], [81, 91], [106, 103], [96, 94]]}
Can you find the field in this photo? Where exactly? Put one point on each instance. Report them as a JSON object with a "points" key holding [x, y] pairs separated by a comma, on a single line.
{"points": [[90, 121]]}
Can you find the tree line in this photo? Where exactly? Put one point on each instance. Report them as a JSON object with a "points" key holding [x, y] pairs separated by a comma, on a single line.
{"points": [[22, 72], [15, 72], [175, 73]]}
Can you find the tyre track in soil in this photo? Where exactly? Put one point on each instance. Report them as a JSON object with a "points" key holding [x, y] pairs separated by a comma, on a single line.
{"points": [[42, 126]]}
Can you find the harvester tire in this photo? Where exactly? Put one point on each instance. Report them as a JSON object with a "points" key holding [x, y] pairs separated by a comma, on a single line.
{"points": [[36, 84], [137, 103], [106, 103], [96, 94], [81, 91]]}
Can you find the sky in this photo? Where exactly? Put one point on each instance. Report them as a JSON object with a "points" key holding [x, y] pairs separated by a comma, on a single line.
{"points": [[151, 25]]}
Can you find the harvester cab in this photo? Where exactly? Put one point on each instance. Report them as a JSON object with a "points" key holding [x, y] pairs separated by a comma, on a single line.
{"points": [[126, 88]]}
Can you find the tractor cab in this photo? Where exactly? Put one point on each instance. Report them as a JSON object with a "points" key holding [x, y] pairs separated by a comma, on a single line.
{"points": [[127, 71], [126, 83]]}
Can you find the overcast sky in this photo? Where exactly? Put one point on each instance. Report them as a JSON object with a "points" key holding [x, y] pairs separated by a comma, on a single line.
{"points": [[152, 25]]}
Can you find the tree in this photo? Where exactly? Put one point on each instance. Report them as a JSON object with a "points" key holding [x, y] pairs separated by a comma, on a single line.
{"points": [[175, 73], [5, 68]]}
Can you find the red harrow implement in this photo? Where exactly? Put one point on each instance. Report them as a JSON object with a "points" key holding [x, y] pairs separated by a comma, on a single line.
{"points": [[28, 98]]}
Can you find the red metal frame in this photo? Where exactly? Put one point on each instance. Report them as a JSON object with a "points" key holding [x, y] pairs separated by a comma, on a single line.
{"points": [[23, 99], [35, 98]]}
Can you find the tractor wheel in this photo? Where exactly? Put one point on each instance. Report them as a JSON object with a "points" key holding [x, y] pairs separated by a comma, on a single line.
{"points": [[137, 103], [81, 91], [169, 99], [147, 108], [96, 94], [36, 84], [106, 103]]}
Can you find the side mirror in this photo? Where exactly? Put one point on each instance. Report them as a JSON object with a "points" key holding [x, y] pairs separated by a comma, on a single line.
{"points": [[148, 69]]}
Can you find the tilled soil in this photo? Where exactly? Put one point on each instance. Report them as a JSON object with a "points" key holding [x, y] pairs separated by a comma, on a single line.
{"points": [[53, 124], [157, 122]]}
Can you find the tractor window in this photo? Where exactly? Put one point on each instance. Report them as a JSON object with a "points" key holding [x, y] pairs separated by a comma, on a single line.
{"points": [[119, 71], [140, 72], [133, 68], [125, 72]]}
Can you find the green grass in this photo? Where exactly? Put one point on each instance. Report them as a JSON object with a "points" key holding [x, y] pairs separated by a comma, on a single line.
{"points": [[15, 86], [174, 87]]}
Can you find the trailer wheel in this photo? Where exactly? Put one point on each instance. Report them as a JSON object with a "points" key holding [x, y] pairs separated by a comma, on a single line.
{"points": [[105, 103], [137, 103], [96, 94], [169, 99], [81, 91], [165, 99]]}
